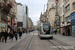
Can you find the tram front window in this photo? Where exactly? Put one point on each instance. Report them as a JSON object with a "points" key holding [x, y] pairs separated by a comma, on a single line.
{"points": [[46, 28]]}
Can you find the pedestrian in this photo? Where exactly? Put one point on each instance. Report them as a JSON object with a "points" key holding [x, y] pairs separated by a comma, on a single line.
{"points": [[55, 32], [20, 34], [68, 32], [16, 35], [29, 31], [5, 36], [2, 35], [11, 35]]}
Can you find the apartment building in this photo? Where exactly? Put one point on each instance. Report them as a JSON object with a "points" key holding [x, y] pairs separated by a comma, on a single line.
{"points": [[72, 16], [12, 17], [5, 9], [51, 11], [61, 15], [30, 24], [50, 4], [44, 17], [51, 16], [67, 17]]}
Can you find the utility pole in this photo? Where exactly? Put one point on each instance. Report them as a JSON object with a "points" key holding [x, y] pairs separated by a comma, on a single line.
{"points": [[47, 12]]}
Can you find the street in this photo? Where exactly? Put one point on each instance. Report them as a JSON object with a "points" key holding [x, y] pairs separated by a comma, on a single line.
{"points": [[33, 42], [37, 24]]}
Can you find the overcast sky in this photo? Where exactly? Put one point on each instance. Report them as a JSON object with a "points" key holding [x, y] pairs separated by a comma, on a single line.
{"points": [[34, 8]]}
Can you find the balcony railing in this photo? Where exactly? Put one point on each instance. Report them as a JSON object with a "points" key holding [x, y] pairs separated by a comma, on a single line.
{"points": [[10, 4], [6, 7]]}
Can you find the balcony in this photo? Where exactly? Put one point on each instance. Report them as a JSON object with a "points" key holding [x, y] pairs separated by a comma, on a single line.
{"points": [[6, 8], [10, 4]]}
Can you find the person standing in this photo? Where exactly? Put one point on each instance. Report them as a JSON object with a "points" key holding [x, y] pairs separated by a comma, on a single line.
{"points": [[55, 31], [16, 35], [68, 32], [11, 35], [5, 36], [20, 34], [2, 35]]}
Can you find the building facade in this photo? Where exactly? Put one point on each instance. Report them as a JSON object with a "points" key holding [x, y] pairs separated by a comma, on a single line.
{"points": [[22, 16], [5, 9], [44, 17], [12, 17], [51, 16], [30, 24], [50, 4], [61, 7], [72, 17], [66, 12], [51, 10]]}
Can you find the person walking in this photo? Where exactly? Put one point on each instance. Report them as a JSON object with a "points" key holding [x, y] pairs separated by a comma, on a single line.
{"points": [[2, 35], [55, 31], [11, 35], [20, 34], [16, 35], [5, 36]]}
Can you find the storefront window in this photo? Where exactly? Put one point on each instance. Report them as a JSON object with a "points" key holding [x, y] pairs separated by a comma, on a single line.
{"points": [[66, 0]]}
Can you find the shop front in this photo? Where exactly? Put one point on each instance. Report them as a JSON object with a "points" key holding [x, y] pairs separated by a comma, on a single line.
{"points": [[67, 30], [3, 27], [73, 24]]}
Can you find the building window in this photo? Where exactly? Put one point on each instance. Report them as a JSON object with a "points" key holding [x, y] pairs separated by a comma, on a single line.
{"points": [[67, 8], [51, 0], [74, 5], [68, 18], [66, 0]]}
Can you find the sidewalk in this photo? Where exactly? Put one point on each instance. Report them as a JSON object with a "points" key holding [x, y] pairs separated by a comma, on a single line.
{"points": [[9, 44], [66, 39]]}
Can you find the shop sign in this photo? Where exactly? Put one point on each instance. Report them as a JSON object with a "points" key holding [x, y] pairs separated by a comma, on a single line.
{"points": [[12, 21], [2, 25]]}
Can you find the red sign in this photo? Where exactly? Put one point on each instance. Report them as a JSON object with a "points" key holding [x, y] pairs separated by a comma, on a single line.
{"points": [[12, 21], [8, 20], [15, 23], [56, 1]]}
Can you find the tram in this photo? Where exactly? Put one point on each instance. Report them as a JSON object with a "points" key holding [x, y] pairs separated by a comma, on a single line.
{"points": [[45, 30]]}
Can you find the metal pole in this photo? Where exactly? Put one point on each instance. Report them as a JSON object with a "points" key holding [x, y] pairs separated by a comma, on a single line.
{"points": [[47, 12]]}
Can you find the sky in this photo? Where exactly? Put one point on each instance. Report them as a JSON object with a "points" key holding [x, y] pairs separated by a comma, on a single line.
{"points": [[35, 7]]}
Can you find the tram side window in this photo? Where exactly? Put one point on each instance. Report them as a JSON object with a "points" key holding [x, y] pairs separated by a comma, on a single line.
{"points": [[40, 30]]}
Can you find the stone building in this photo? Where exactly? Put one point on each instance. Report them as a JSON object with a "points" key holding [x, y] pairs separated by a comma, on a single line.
{"points": [[51, 16], [5, 9], [12, 17], [66, 12], [69, 16], [44, 17], [30, 24]]}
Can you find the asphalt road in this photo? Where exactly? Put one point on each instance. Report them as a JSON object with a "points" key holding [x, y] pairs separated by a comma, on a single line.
{"points": [[33, 42]]}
